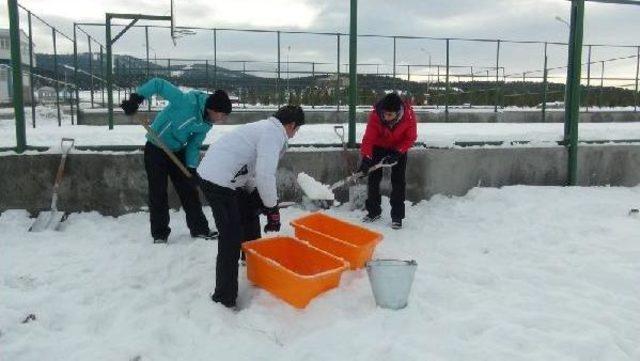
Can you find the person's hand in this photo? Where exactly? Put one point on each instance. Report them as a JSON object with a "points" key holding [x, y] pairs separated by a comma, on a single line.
{"points": [[365, 164], [273, 219], [131, 105], [392, 158]]}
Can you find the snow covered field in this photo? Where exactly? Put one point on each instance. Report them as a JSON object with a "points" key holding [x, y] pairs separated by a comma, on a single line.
{"points": [[518, 273], [48, 133]]}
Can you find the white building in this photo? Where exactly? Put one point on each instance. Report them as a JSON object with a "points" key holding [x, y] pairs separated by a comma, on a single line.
{"points": [[6, 81]]}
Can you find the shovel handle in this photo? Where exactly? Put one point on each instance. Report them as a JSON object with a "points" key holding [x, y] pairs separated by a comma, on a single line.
{"points": [[156, 139]]}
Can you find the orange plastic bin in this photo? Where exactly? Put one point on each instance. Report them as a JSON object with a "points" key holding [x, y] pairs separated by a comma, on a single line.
{"points": [[353, 243], [291, 269]]}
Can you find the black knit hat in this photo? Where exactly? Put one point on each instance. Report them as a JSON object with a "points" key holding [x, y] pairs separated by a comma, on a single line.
{"points": [[391, 103], [290, 114], [219, 102]]}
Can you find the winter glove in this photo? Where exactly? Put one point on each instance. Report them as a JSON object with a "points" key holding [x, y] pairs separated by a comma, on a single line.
{"points": [[131, 105], [365, 164], [391, 158], [273, 219]]}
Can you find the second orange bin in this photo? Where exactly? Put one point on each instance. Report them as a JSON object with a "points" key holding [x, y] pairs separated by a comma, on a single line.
{"points": [[291, 269], [353, 243]]}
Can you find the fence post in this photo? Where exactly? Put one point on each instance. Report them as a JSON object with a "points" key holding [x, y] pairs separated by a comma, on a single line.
{"points": [[337, 91], [16, 68], [278, 95], [394, 63], [446, 94], [588, 77], [102, 74], [148, 70], [313, 86], [353, 72], [215, 58], [635, 96], [109, 71], [601, 86], [545, 86], [572, 101], [33, 101], [55, 75], [497, 99], [91, 70], [75, 71], [206, 74]]}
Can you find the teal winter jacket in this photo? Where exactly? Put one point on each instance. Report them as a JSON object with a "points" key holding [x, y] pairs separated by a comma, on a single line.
{"points": [[180, 125]]}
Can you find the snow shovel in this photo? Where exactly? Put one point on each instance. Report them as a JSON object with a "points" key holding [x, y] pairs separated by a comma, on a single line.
{"points": [[52, 219], [313, 199]]}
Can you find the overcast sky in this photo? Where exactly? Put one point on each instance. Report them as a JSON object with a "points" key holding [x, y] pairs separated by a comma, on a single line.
{"points": [[492, 19]]}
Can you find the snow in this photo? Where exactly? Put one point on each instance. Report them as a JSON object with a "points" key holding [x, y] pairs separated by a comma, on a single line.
{"points": [[517, 273], [47, 133], [314, 189]]}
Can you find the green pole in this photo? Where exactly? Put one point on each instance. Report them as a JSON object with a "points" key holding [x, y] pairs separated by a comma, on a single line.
{"points": [[33, 101], [278, 78], [635, 95], [102, 74], [148, 71], [55, 75], [353, 76], [572, 101], [206, 74], [446, 92], [588, 76], [109, 71], [545, 85], [394, 62], [497, 99], [16, 67], [601, 86], [75, 68], [90, 70], [338, 71], [215, 58], [313, 76]]}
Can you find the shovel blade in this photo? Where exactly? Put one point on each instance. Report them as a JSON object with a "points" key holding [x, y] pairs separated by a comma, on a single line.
{"points": [[49, 220]]}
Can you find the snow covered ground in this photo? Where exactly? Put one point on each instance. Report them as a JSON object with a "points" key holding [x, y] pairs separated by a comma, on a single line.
{"points": [[518, 273], [47, 133]]}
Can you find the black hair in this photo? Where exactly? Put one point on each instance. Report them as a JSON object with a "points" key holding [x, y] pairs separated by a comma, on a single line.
{"points": [[290, 114], [219, 101], [391, 103]]}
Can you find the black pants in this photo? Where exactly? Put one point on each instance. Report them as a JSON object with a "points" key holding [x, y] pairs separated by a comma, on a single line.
{"points": [[398, 185], [236, 214], [159, 168]]}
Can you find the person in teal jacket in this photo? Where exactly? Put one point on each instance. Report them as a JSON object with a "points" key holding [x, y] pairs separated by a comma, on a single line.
{"points": [[182, 126]]}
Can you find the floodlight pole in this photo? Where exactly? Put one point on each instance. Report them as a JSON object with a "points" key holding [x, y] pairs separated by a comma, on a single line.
{"points": [[109, 44]]}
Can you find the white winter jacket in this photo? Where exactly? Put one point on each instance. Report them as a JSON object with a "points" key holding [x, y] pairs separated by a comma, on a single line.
{"points": [[247, 157]]}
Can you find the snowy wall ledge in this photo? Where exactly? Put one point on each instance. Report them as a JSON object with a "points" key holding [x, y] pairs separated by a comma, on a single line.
{"points": [[115, 183]]}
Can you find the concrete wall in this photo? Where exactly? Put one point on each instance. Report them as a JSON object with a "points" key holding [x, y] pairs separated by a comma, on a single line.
{"points": [[466, 116], [113, 184]]}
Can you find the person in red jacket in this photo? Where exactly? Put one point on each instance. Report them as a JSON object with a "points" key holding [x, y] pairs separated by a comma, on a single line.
{"points": [[391, 131]]}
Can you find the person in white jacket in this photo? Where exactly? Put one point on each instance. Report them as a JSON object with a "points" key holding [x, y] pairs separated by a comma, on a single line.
{"points": [[238, 179]]}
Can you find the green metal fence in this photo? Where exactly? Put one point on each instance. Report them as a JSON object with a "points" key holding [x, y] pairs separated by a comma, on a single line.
{"points": [[312, 68]]}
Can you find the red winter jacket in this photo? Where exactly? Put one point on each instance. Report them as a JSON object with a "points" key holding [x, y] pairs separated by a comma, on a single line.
{"points": [[400, 138]]}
